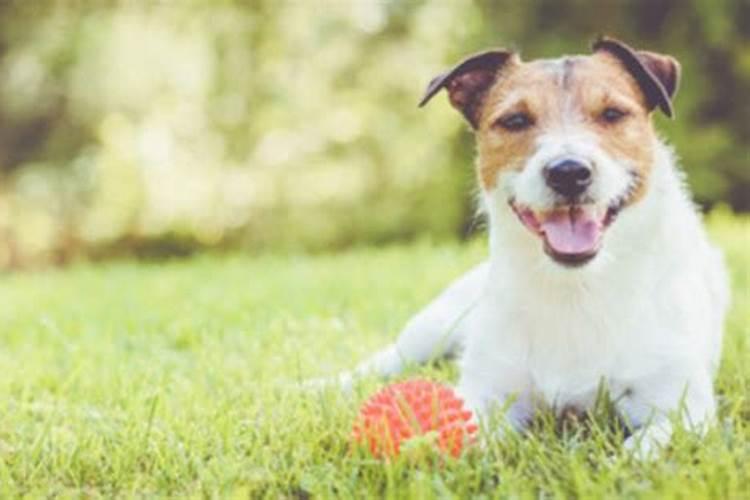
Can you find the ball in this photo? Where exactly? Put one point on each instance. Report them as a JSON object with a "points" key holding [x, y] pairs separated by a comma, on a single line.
{"points": [[413, 410]]}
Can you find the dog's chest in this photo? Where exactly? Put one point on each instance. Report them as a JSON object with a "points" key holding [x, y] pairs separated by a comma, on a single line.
{"points": [[573, 353], [569, 344]]}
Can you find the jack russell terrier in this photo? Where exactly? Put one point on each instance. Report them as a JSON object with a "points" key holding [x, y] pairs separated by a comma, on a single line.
{"points": [[600, 271]]}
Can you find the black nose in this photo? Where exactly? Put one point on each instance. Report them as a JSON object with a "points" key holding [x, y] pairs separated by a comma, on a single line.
{"points": [[568, 177]]}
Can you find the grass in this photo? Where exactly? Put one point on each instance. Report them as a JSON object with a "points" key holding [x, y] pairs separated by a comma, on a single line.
{"points": [[173, 379]]}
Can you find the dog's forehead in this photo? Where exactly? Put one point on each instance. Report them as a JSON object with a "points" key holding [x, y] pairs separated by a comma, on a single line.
{"points": [[553, 81], [568, 71], [558, 70]]}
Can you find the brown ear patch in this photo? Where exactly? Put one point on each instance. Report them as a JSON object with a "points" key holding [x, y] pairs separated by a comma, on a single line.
{"points": [[468, 81], [657, 75]]}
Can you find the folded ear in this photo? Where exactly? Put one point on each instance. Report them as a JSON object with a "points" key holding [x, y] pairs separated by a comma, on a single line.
{"points": [[468, 81], [658, 75]]}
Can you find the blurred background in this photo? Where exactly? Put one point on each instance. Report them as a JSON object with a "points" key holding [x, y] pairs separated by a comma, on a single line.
{"points": [[154, 129]]}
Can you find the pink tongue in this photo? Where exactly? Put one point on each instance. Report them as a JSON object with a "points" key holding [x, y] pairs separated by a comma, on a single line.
{"points": [[572, 233]]}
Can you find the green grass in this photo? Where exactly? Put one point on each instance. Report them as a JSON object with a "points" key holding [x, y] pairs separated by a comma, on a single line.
{"points": [[173, 379]]}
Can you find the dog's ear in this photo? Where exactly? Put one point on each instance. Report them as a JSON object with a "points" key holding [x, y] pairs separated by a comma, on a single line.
{"points": [[468, 81], [658, 75]]}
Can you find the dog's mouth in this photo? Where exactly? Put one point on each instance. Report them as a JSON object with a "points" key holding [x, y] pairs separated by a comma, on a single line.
{"points": [[572, 234]]}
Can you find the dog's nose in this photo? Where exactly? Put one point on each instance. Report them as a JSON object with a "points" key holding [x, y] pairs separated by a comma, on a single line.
{"points": [[568, 177]]}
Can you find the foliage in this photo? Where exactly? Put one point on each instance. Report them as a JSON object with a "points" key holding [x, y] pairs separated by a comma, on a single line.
{"points": [[160, 127], [132, 379]]}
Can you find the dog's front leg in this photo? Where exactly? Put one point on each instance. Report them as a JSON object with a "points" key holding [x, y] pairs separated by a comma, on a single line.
{"points": [[438, 330], [651, 405], [498, 399], [498, 415]]}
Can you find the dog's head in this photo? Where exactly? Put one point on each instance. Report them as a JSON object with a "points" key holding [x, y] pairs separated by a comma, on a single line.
{"points": [[567, 143]]}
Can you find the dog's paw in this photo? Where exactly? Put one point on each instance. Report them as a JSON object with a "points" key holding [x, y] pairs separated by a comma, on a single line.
{"points": [[641, 449], [648, 443], [343, 382]]}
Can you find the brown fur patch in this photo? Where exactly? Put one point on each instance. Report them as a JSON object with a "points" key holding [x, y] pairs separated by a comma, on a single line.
{"points": [[565, 93]]}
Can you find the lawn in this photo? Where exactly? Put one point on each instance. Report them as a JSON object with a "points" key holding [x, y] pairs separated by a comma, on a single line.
{"points": [[176, 378]]}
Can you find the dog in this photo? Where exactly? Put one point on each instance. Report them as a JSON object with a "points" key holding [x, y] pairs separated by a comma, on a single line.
{"points": [[599, 268]]}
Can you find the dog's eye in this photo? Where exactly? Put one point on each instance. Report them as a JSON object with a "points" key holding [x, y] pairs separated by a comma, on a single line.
{"points": [[516, 122], [612, 115]]}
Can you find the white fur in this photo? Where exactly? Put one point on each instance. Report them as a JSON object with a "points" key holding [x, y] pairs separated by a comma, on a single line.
{"points": [[645, 317], [610, 178]]}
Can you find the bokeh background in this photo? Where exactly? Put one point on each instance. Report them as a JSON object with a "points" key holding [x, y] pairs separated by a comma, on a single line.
{"points": [[155, 129]]}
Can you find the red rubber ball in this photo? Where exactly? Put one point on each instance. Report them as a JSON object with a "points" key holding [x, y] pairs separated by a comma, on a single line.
{"points": [[406, 410]]}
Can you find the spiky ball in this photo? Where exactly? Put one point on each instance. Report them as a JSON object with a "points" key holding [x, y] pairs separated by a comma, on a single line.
{"points": [[413, 409]]}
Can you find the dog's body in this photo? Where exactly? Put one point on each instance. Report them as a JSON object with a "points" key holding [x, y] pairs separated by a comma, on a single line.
{"points": [[571, 299]]}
